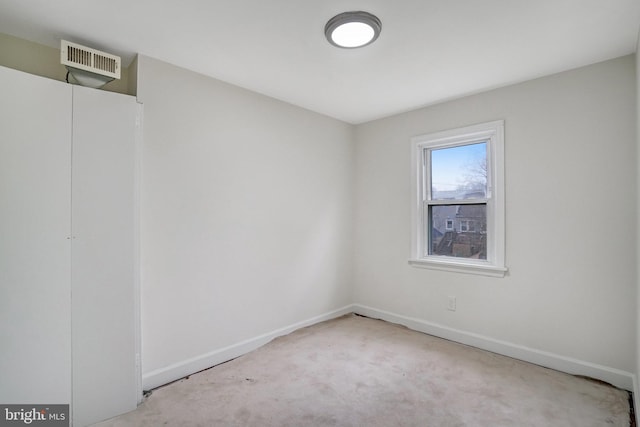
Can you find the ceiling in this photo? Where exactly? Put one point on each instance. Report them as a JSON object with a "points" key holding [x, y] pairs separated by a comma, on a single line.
{"points": [[428, 51]]}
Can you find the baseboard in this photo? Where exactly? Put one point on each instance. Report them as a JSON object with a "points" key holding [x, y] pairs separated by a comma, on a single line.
{"points": [[636, 401], [179, 370], [618, 378]]}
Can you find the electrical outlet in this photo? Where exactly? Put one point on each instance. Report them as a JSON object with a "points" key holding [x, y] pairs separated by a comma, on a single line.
{"points": [[452, 303]]}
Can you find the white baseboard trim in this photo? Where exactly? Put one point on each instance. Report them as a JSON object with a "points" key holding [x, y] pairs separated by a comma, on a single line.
{"points": [[636, 398], [179, 370], [618, 378]]}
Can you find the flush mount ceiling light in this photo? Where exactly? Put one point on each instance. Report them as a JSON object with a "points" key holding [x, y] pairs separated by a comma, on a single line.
{"points": [[352, 29]]}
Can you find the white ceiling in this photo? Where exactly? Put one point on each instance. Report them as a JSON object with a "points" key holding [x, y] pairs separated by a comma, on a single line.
{"points": [[428, 51]]}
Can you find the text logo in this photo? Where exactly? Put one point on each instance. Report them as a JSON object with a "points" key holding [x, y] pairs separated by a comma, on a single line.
{"points": [[34, 415]]}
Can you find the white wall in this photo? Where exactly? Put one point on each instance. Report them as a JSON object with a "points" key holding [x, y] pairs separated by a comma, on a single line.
{"points": [[246, 216], [571, 218]]}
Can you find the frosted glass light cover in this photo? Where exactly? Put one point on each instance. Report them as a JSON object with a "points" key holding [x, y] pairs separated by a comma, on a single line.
{"points": [[352, 34]]}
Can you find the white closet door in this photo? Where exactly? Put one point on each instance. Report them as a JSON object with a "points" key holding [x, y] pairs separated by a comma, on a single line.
{"points": [[35, 205], [103, 270]]}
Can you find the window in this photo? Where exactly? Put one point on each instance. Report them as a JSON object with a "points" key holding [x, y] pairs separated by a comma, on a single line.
{"points": [[458, 202]]}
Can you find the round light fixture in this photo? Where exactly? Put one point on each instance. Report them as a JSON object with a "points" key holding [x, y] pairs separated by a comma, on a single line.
{"points": [[352, 29]]}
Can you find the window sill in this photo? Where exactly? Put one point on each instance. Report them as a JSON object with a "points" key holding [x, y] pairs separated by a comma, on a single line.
{"points": [[483, 269]]}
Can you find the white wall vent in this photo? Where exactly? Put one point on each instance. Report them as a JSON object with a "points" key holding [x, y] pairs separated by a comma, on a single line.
{"points": [[89, 67]]}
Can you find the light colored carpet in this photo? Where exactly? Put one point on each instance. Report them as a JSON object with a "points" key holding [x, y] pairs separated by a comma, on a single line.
{"points": [[355, 371]]}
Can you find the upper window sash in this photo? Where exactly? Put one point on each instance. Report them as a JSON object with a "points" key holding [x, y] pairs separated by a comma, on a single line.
{"points": [[427, 169]]}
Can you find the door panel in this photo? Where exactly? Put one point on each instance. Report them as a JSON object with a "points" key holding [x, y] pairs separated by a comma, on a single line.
{"points": [[103, 273], [35, 208]]}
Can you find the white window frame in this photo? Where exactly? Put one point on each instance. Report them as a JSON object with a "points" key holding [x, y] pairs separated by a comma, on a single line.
{"points": [[493, 134]]}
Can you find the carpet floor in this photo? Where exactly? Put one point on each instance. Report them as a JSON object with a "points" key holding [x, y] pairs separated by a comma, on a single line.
{"points": [[356, 371]]}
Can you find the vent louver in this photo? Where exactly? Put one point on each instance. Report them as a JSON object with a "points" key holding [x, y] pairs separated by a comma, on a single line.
{"points": [[84, 58]]}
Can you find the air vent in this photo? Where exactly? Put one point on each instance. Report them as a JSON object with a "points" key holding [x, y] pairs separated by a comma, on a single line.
{"points": [[84, 58]]}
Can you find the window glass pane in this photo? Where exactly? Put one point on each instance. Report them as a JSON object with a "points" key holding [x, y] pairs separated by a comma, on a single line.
{"points": [[458, 230], [459, 172]]}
